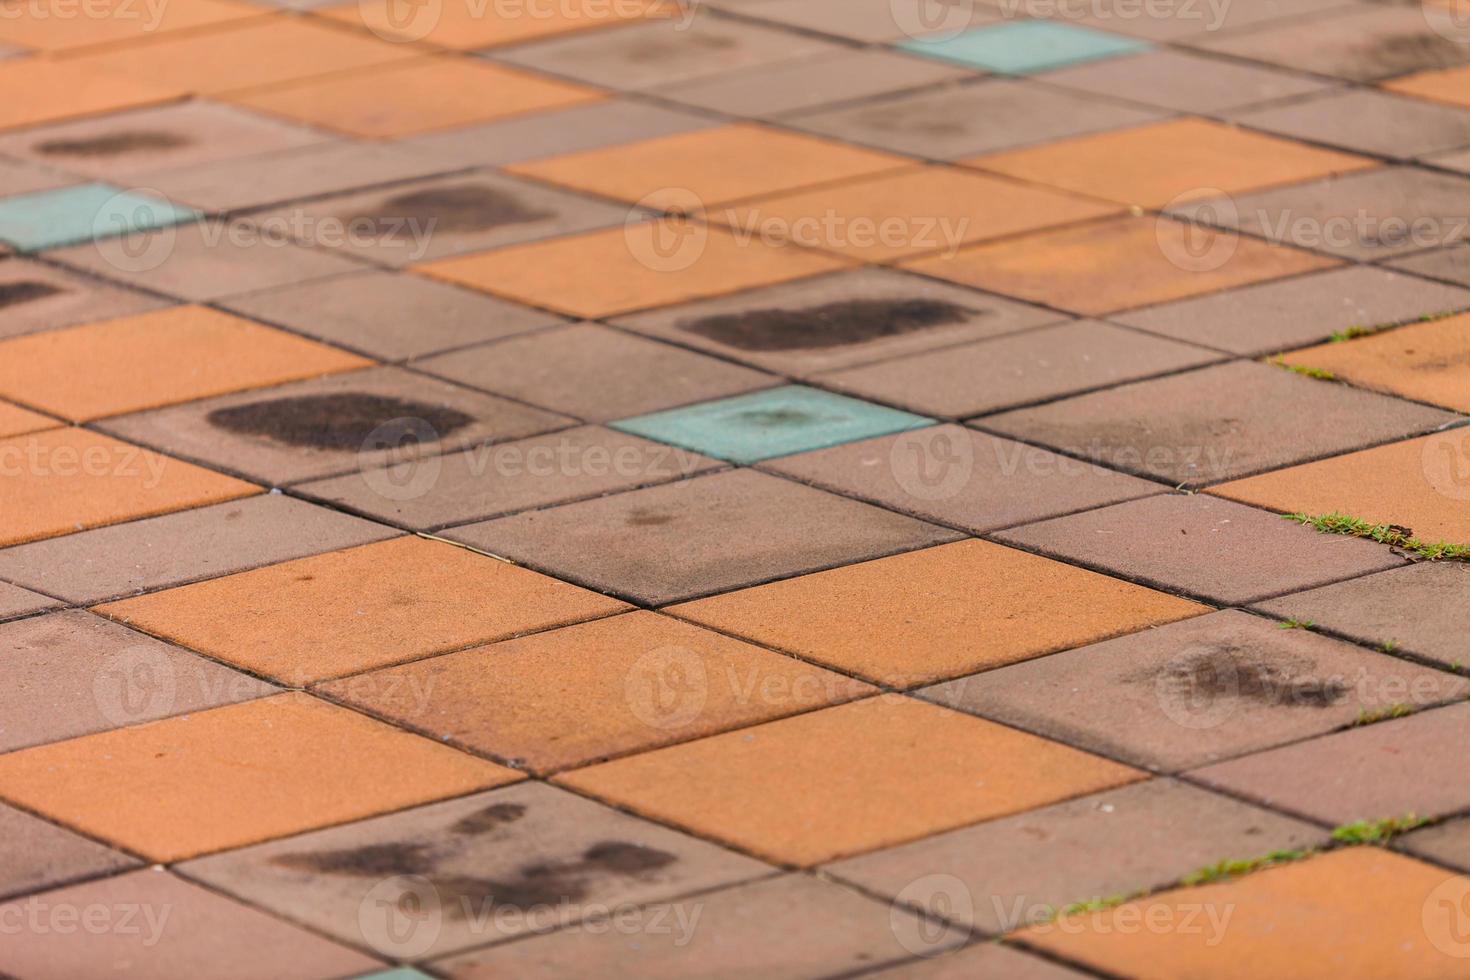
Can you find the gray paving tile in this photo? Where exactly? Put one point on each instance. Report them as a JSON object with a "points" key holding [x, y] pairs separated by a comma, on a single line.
{"points": [[866, 20], [1184, 81], [36, 855], [35, 297], [1368, 122], [15, 601]]}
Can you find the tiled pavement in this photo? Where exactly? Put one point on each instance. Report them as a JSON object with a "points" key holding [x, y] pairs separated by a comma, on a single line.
{"points": [[753, 488]]}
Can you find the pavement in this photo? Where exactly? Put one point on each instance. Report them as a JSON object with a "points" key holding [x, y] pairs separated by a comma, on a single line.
{"points": [[760, 488]]}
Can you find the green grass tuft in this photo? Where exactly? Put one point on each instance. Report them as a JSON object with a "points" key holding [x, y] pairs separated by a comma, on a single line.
{"points": [[1227, 870], [1377, 831], [1366, 717], [1393, 535]]}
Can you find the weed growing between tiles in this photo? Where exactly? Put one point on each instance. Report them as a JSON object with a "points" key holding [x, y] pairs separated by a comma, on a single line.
{"points": [[1393, 535]]}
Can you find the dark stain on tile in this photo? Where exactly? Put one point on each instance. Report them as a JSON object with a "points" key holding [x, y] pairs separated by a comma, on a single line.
{"points": [[491, 818], [25, 291], [113, 144], [776, 418], [644, 517], [371, 861], [829, 325], [661, 48], [342, 420], [460, 208], [1399, 53], [1231, 671]]}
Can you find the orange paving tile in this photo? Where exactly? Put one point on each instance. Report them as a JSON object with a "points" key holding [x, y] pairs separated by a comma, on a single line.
{"points": [[470, 24], [60, 25], [35, 91], [415, 97], [641, 265], [153, 359], [848, 779], [1448, 85], [1428, 362], [935, 209], [572, 696], [1116, 264], [917, 617], [66, 480], [1171, 162], [709, 166], [17, 421], [1363, 913], [1422, 484], [364, 607], [236, 775]]}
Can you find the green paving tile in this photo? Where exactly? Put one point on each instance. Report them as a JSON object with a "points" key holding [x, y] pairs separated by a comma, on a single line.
{"points": [[1025, 48], [72, 215]]}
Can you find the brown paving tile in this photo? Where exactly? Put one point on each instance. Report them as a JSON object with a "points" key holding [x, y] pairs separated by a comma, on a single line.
{"points": [[842, 780], [1404, 765], [568, 697], [837, 320], [642, 265], [333, 425], [336, 613], [960, 477], [910, 619], [1112, 265], [1367, 121], [15, 601], [1184, 81], [35, 854], [365, 311], [595, 373], [980, 961], [155, 359], [1447, 843], [414, 97], [126, 559], [491, 481], [1449, 264], [159, 926], [911, 212], [715, 165], [1007, 873], [1019, 369], [1153, 166], [1217, 423], [76, 674], [1354, 914], [1180, 22], [67, 89], [1428, 362], [261, 51], [542, 856], [746, 931], [1413, 610], [67, 480], [862, 20], [57, 27], [960, 121], [1197, 692], [17, 421], [463, 24], [236, 775], [34, 297], [1204, 546], [1277, 315], [699, 536], [22, 178]]}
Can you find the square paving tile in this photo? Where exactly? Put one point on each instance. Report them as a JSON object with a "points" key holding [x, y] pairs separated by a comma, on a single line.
{"points": [[978, 960], [22, 178], [1024, 47], [741, 931], [1373, 609], [236, 775], [1428, 362], [66, 89], [843, 780], [715, 166], [35, 854], [1217, 423], [1018, 369], [77, 674], [1163, 164], [1185, 81], [34, 297], [540, 856], [154, 359], [1178, 22], [960, 477], [182, 134], [492, 481], [140, 556], [315, 429], [1449, 86], [66, 480], [1421, 484], [414, 97], [594, 373], [864, 20], [1388, 769], [1448, 264], [365, 311], [568, 697], [959, 121], [462, 25], [15, 601], [1193, 693], [1014, 870], [1355, 914], [837, 320], [699, 536], [53, 27], [85, 212], [1114, 264], [770, 423], [910, 619], [157, 925], [1278, 315], [911, 212], [335, 614], [1367, 121], [1446, 843], [1204, 546]]}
